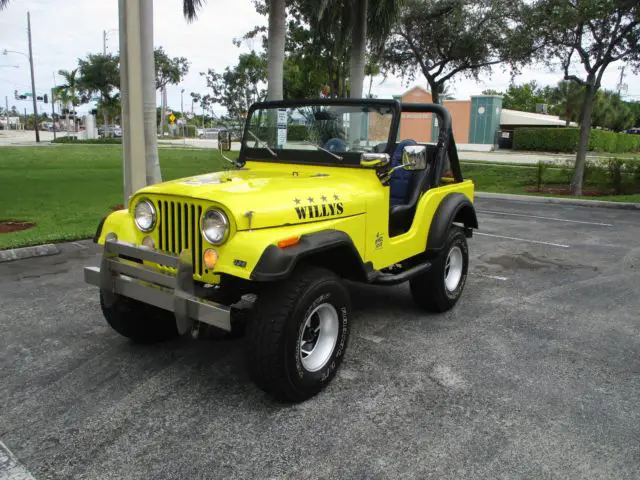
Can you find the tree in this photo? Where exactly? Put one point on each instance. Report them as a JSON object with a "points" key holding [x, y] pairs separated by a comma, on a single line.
{"points": [[445, 38], [168, 71], [275, 49], [68, 93], [597, 33], [238, 87], [101, 74]]}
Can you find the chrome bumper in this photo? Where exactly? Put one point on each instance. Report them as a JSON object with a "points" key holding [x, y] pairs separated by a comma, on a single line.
{"points": [[120, 274]]}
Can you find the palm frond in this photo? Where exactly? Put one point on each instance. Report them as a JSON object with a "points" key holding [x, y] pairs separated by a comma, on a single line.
{"points": [[190, 9]]}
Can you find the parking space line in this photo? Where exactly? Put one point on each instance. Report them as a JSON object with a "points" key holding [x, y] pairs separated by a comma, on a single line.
{"points": [[545, 218], [493, 277], [523, 240], [10, 467]]}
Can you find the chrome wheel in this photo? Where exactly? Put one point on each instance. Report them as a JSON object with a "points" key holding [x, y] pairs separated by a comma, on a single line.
{"points": [[318, 337], [453, 269]]}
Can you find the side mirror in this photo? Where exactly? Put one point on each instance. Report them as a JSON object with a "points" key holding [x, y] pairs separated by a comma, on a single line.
{"points": [[374, 160], [224, 140], [414, 157]]}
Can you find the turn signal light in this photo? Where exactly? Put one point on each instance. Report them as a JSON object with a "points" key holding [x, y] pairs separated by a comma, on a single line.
{"points": [[210, 258], [288, 242]]}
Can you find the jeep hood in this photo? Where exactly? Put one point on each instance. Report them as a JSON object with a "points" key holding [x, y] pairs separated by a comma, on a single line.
{"points": [[265, 197]]}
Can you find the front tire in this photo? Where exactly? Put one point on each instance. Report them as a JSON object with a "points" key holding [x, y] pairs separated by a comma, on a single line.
{"points": [[298, 334], [138, 321], [439, 289]]}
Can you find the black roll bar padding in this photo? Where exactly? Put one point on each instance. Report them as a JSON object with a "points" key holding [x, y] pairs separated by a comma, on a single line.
{"points": [[446, 143]]}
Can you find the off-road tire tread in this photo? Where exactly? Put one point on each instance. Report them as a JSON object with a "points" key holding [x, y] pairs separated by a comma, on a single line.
{"points": [[265, 332], [427, 290]]}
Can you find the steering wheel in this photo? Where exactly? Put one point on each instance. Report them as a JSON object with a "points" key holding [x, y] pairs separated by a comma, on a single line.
{"points": [[335, 144]]}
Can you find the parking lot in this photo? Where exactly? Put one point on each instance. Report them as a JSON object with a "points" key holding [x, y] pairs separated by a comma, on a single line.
{"points": [[534, 374]]}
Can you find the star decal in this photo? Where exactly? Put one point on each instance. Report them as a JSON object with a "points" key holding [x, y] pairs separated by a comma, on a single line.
{"points": [[297, 201], [310, 199], [324, 199], [336, 197]]}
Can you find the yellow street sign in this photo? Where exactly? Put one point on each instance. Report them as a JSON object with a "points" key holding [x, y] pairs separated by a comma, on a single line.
{"points": [[172, 118]]}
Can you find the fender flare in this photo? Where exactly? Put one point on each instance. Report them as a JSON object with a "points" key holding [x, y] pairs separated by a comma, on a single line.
{"points": [[331, 249], [454, 208]]}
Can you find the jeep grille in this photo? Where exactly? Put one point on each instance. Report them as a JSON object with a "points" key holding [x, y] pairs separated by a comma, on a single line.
{"points": [[179, 229]]}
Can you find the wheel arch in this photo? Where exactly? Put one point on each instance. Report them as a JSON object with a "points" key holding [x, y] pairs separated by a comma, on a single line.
{"points": [[455, 208], [330, 249]]}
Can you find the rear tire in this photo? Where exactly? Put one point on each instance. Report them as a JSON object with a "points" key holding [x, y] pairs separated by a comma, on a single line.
{"points": [[439, 289], [138, 321], [298, 334]]}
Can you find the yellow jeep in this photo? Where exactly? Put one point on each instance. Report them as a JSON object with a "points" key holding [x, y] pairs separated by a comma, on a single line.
{"points": [[322, 192]]}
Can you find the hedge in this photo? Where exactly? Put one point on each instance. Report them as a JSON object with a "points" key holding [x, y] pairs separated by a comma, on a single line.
{"points": [[566, 140], [74, 139]]}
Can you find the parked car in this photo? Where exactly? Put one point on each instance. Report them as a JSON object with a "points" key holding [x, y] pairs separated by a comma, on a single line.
{"points": [[209, 133], [109, 131], [236, 134], [633, 131]]}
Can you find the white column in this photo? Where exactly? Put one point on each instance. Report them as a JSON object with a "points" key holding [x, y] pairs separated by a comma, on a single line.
{"points": [[132, 97]]}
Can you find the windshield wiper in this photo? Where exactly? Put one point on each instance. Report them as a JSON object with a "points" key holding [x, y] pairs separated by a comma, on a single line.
{"points": [[275, 155], [334, 155]]}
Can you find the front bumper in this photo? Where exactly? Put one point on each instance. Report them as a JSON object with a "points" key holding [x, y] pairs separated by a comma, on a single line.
{"points": [[120, 273]]}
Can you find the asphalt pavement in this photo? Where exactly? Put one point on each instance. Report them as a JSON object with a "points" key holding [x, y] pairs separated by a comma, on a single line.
{"points": [[534, 374]]}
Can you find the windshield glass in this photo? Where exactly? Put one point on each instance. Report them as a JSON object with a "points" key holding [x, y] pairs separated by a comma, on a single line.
{"points": [[329, 133]]}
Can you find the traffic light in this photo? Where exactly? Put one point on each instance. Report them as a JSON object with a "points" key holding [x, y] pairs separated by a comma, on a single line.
{"points": [[39, 99], [46, 98], [15, 95]]}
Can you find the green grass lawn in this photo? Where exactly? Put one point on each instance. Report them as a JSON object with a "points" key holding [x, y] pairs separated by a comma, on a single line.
{"points": [[67, 189], [500, 178]]}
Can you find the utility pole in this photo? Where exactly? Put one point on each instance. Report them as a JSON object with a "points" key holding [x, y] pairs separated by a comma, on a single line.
{"points": [[53, 105], [104, 42], [53, 111], [6, 106], [33, 81]]}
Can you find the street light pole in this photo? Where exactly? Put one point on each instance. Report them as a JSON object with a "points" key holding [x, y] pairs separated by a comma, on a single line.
{"points": [[33, 81]]}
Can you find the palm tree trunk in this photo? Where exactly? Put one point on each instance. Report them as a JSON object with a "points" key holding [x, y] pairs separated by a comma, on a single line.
{"points": [[275, 58], [149, 94], [358, 47]]}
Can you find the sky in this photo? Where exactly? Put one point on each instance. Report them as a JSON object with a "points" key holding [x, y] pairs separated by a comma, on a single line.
{"points": [[63, 31]]}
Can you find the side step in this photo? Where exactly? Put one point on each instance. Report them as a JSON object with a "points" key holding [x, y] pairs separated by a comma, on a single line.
{"points": [[390, 279]]}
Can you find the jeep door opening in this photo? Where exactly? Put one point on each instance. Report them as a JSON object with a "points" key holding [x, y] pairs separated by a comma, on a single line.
{"points": [[324, 191]]}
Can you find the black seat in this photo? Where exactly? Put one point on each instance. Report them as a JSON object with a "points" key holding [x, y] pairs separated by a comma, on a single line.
{"points": [[401, 216]]}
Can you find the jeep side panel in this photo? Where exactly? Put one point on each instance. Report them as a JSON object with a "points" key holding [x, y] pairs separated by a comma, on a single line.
{"points": [[383, 251]]}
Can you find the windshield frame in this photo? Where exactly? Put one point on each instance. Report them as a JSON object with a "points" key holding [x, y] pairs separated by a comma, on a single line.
{"points": [[316, 157]]}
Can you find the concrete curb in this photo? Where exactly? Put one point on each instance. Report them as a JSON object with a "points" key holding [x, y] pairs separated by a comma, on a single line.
{"points": [[28, 252], [559, 200]]}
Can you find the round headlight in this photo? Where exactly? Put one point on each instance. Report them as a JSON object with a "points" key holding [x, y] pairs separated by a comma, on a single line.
{"points": [[215, 226], [145, 215]]}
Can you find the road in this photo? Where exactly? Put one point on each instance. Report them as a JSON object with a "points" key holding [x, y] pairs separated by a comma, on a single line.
{"points": [[534, 374]]}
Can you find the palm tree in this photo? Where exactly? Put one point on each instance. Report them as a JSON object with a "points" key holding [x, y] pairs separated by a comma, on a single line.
{"points": [[276, 38], [68, 93], [372, 21], [3, 3]]}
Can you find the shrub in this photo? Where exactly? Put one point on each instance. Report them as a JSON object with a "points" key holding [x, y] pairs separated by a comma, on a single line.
{"points": [[566, 140], [546, 139], [602, 141], [102, 141], [627, 143]]}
